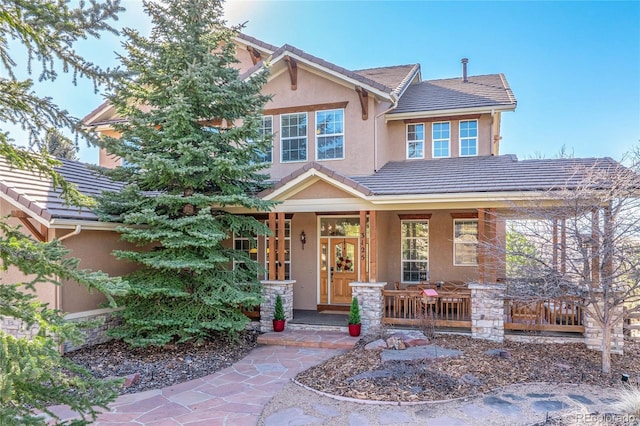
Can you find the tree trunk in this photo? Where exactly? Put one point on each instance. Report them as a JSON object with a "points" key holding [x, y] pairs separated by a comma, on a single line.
{"points": [[606, 347]]}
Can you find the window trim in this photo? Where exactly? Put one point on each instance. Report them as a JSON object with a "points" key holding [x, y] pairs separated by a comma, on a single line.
{"points": [[403, 261], [306, 137], [330, 135], [460, 138], [262, 117], [434, 140], [456, 242], [407, 141]]}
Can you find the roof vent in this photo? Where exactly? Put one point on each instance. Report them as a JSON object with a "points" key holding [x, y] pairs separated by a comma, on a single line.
{"points": [[464, 61]]}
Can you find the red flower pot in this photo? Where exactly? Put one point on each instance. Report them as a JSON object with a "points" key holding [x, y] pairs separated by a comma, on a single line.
{"points": [[354, 330], [278, 325]]}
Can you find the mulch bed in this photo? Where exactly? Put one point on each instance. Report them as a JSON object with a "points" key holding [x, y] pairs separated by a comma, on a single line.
{"points": [[472, 373], [159, 367]]}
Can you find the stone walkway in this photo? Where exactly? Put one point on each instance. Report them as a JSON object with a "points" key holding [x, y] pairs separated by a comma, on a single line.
{"points": [[258, 390]]}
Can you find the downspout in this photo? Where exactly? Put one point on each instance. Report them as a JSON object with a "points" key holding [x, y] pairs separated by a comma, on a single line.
{"points": [[59, 287], [491, 142], [375, 133]]}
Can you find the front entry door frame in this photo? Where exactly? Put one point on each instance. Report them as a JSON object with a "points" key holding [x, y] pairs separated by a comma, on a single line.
{"points": [[338, 267]]}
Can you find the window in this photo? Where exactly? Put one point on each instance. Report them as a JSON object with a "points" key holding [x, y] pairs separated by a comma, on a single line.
{"points": [[287, 251], [465, 242], [468, 138], [293, 137], [266, 130], [247, 245], [415, 140], [330, 134], [441, 137], [415, 250]]}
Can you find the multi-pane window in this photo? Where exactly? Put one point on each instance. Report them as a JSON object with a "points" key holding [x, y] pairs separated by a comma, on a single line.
{"points": [[441, 133], [465, 242], [415, 250], [469, 138], [415, 140], [266, 129], [293, 137], [247, 245], [287, 251], [330, 134]]}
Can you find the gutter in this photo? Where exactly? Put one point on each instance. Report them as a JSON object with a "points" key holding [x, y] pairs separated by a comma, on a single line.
{"points": [[71, 234]]}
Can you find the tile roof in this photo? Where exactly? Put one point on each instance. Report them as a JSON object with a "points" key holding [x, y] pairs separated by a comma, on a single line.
{"points": [[36, 192], [396, 77], [478, 174], [434, 95]]}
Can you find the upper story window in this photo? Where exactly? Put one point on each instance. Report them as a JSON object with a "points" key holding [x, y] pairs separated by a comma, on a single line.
{"points": [[415, 140], [415, 250], [266, 129], [465, 242], [441, 139], [293, 137], [330, 134], [468, 138]]}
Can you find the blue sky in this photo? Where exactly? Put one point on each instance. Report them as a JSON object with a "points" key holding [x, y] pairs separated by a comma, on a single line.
{"points": [[573, 66]]}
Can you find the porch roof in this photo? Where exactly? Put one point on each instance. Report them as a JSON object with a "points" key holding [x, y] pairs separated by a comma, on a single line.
{"points": [[482, 174], [34, 193]]}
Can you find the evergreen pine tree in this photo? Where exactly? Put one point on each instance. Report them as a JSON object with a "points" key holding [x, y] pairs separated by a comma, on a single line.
{"points": [[193, 150]]}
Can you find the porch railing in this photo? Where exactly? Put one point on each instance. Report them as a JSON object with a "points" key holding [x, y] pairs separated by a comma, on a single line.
{"points": [[563, 314], [412, 307]]}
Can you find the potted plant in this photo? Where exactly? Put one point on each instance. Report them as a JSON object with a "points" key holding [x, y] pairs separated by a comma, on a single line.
{"points": [[354, 318], [278, 315]]}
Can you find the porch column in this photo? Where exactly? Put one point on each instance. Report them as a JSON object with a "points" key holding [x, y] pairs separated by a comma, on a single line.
{"points": [[371, 304], [373, 246], [272, 247], [481, 246], [593, 331], [281, 247], [487, 311], [270, 290], [363, 249]]}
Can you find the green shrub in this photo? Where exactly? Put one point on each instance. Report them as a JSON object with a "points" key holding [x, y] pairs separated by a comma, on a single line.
{"points": [[354, 312], [278, 313]]}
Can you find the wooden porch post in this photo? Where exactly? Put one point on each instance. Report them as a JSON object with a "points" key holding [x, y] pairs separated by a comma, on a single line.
{"points": [[555, 245], [373, 246], [563, 246], [607, 244], [481, 250], [362, 274], [272, 247], [595, 247], [281, 247]]}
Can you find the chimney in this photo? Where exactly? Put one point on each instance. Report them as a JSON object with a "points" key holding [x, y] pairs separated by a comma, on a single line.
{"points": [[464, 61]]}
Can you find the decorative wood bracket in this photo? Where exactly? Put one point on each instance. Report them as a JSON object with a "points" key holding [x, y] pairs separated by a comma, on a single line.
{"points": [[40, 234], [292, 65], [255, 55], [363, 96]]}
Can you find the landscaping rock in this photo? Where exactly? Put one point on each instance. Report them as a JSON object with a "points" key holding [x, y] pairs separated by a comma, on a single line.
{"points": [[418, 353], [500, 353], [131, 380], [396, 343], [376, 345], [412, 338]]}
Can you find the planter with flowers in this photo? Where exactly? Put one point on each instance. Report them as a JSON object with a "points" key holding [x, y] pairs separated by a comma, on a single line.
{"points": [[354, 318]]}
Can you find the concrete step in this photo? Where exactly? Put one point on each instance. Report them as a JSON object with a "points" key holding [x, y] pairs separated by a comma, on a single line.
{"points": [[309, 339]]}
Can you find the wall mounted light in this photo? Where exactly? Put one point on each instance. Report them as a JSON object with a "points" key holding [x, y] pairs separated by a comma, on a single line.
{"points": [[303, 239]]}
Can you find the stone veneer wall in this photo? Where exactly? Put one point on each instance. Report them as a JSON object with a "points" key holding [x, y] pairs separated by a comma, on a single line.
{"points": [[107, 320], [593, 332], [16, 328], [371, 302], [487, 311], [270, 289]]}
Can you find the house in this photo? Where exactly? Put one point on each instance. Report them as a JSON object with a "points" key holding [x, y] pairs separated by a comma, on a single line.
{"points": [[382, 177]]}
